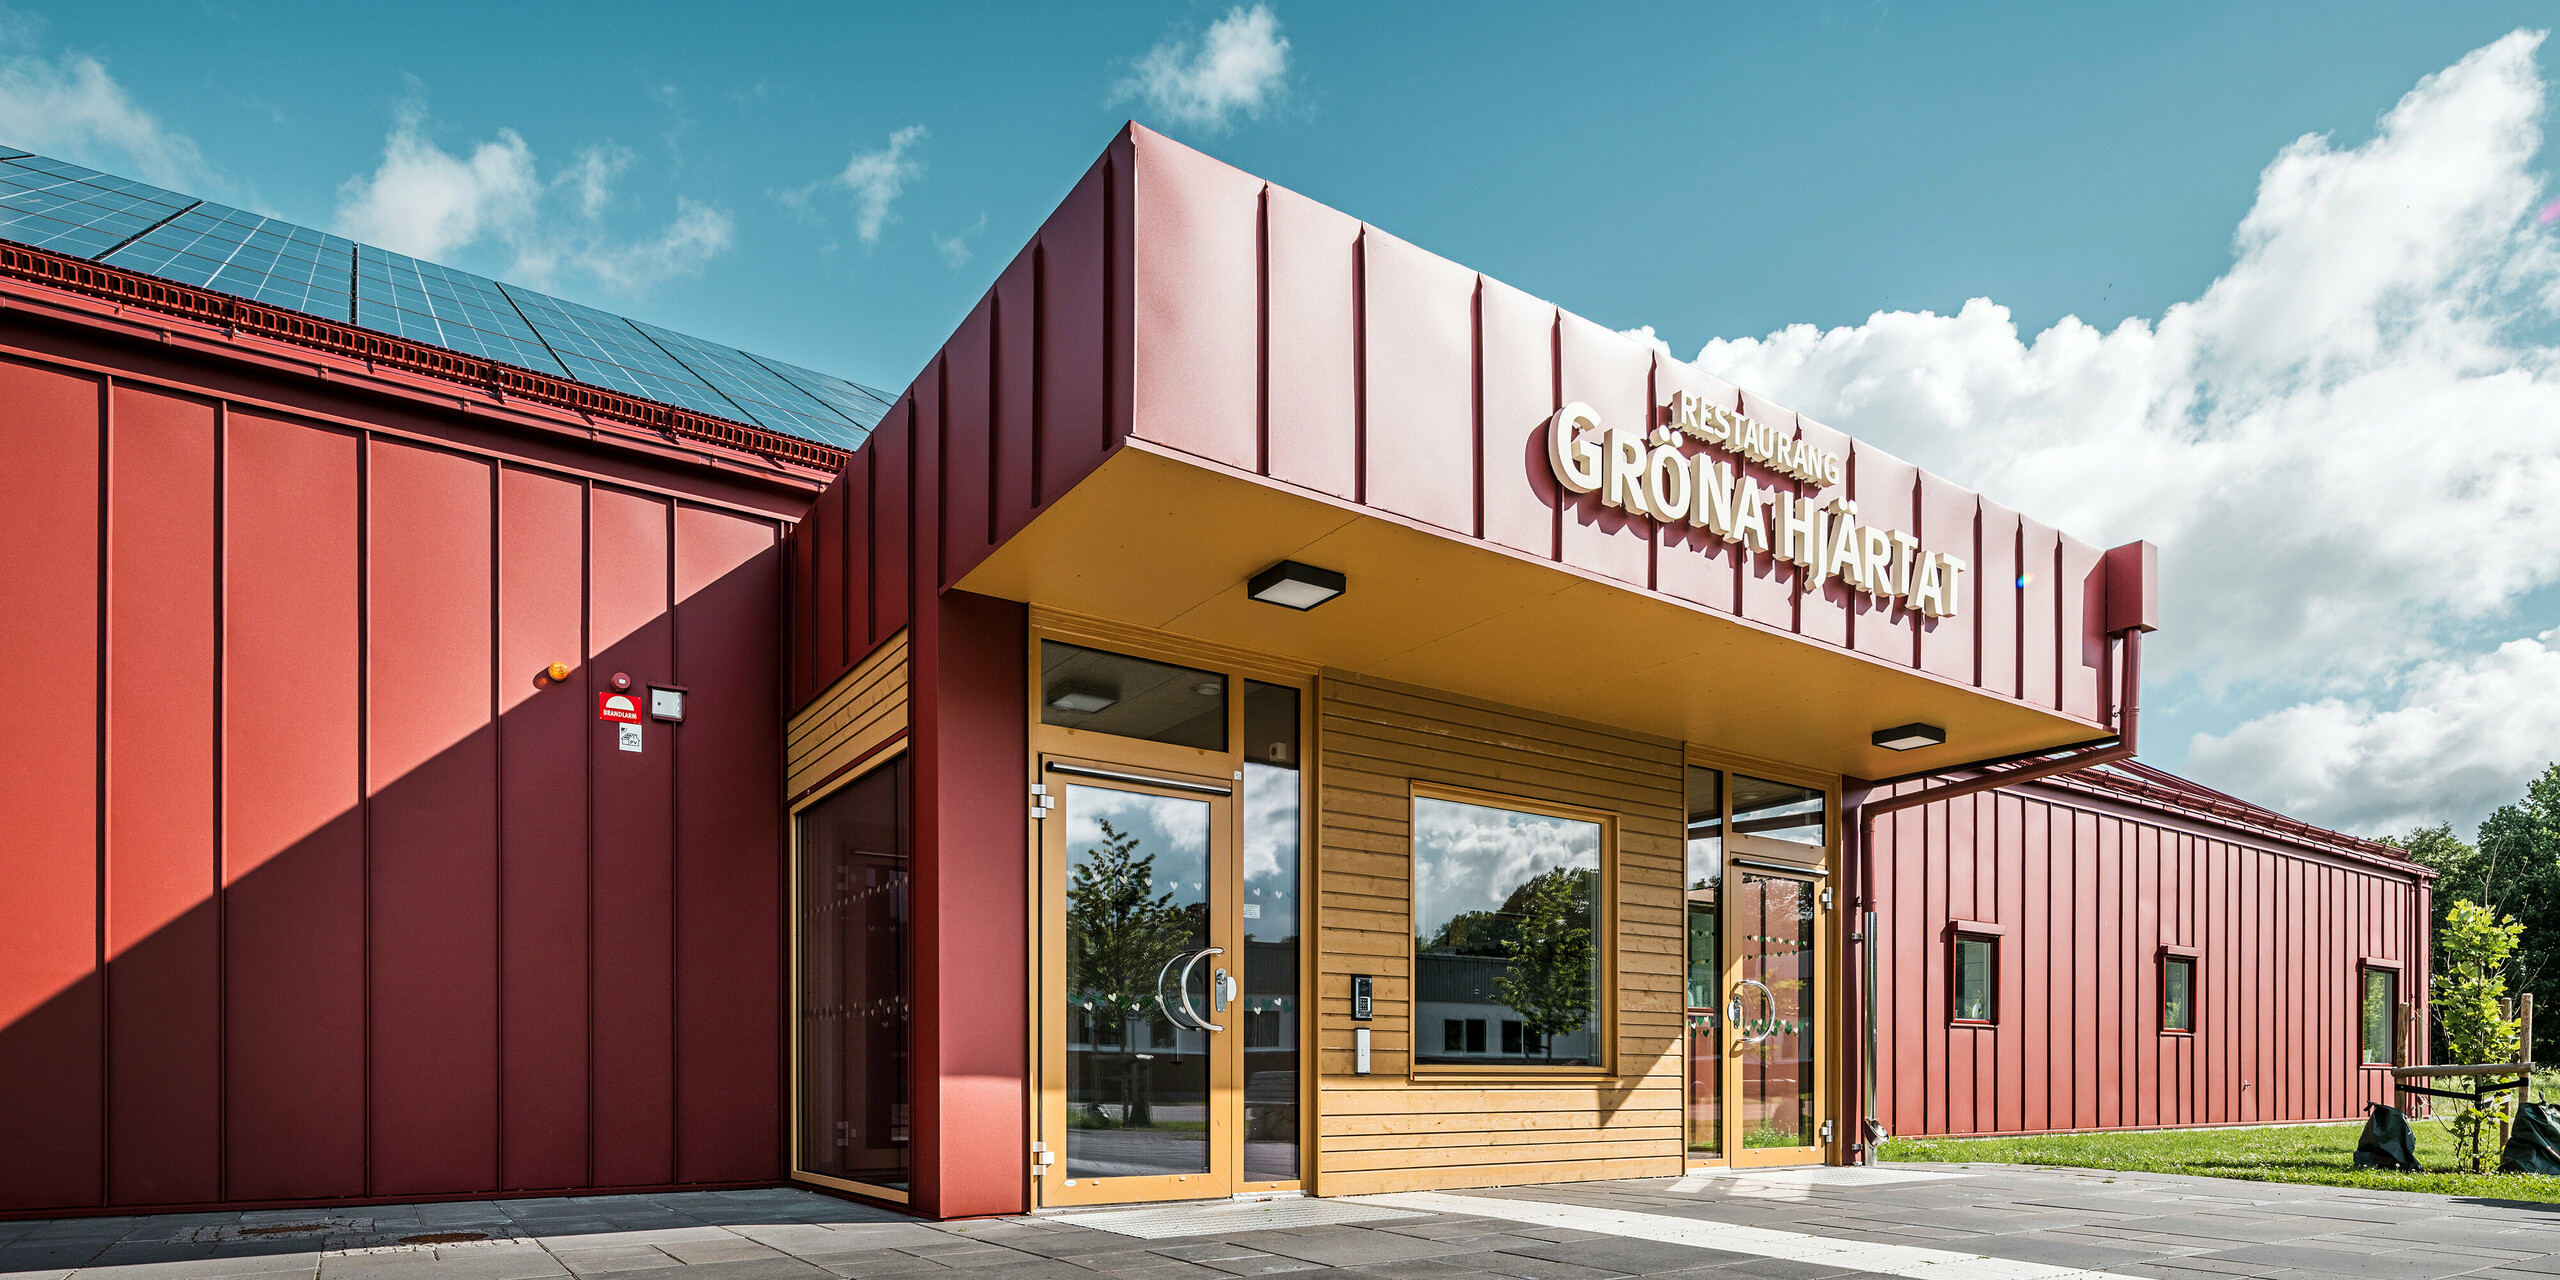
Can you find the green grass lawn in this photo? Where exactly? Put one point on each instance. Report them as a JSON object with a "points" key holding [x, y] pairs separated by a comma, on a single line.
{"points": [[2299, 1153]]}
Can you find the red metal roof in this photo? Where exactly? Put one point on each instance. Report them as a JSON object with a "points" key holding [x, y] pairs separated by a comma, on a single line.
{"points": [[133, 289], [2134, 780]]}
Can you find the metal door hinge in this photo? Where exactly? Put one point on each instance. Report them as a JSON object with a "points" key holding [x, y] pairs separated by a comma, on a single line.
{"points": [[1826, 897], [1041, 802], [1826, 1132]]}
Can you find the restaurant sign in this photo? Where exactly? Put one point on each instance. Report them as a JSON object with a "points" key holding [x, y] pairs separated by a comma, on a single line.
{"points": [[1649, 474]]}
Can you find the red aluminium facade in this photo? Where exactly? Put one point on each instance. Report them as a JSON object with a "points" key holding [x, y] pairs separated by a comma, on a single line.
{"points": [[320, 890], [2086, 881], [317, 890]]}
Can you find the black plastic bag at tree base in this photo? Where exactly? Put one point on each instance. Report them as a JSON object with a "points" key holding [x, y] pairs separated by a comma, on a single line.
{"points": [[2387, 1142], [2533, 1144]]}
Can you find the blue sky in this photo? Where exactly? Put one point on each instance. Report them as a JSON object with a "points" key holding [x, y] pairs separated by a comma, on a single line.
{"points": [[1717, 173]]}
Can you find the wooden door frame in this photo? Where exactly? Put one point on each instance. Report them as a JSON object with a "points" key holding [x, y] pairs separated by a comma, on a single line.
{"points": [[1044, 1186], [1822, 869]]}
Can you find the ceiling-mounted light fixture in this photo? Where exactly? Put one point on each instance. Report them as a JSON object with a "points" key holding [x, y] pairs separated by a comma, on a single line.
{"points": [[1299, 586], [1083, 699], [1910, 736]]}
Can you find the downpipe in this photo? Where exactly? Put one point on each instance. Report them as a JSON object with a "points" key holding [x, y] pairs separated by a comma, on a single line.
{"points": [[1985, 775]]}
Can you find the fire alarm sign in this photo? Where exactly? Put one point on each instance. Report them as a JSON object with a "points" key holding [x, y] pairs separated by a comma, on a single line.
{"points": [[619, 707]]}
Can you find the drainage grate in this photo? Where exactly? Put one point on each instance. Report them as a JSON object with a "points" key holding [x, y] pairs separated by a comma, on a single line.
{"points": [[1816, 1175], [1231, 1217]]}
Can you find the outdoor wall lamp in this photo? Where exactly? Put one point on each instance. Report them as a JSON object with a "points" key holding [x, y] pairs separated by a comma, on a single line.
{"points": [[1299, 586], [1908, 736]]}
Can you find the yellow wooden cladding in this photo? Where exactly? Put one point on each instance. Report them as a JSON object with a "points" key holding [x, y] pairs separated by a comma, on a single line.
{"points": [[1394, 1129], [856, 714]]}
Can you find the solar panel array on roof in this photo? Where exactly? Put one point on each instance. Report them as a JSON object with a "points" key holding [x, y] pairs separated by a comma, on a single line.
{"points": [[55, 205], [232, 250]]}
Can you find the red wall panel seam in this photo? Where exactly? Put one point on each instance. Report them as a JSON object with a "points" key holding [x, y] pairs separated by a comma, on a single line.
{"points": [[675, 865], [587, 758], [498, 825], [106, 988], [221, 895], [1262, 330], [1360, 366], [364, 773]]}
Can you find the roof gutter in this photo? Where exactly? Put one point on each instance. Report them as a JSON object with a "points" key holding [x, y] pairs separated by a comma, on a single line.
{"points": [[1981, 775]]}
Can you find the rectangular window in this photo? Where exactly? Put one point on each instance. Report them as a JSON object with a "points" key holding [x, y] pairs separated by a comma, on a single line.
{"points": [[1705, 881], [1272, 1006], [1507, 928], [853, 981], [1103, 692], [2177, 993], [1972, 972], [1779, 811], [2381, 1016]]}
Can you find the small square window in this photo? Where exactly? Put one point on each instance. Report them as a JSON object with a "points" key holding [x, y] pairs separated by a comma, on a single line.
{"points": [[1453, 1035], [1475, 1035], [2177, 993], [1972, 975], [2381, 1017], [1511, 1037]]}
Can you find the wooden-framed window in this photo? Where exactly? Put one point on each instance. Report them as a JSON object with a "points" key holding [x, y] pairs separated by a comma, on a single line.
{"points": [[1511, 907], [2379, 987], [1973, 977], [2177, 991]]}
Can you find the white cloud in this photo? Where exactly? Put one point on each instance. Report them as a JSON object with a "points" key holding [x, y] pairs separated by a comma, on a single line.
{"points": [[2467, 734], [876, 179], [69, 106], [428, 202], [955, 250], [1240, 66], [2348, 448]]}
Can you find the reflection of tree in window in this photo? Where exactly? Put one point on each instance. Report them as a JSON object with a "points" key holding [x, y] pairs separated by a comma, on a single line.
{"points": [[1544, 933], [1120, 936]]}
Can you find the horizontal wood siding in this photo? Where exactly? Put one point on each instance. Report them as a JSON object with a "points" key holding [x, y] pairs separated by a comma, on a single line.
{"points": [[2086, 893], [1388, 1131], [849, 721]]}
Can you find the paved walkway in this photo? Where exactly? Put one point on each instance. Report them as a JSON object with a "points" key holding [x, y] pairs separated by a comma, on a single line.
{"points": [[1920, 1222]]}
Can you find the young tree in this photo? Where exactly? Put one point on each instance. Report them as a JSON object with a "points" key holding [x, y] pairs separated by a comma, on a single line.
{"points": [[1549, 981], [2472, 950], [2514, 870], [1120, 934]]}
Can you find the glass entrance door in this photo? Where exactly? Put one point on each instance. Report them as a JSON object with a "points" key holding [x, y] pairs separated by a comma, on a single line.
{"points": [[1168, 1010], [1758, 925], [1143, 988], [1771, 1006]]}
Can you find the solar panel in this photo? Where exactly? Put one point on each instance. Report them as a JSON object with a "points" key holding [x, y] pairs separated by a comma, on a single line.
{"points": [[770, 400], [63, 207], [863, 405], [604, 349], [265, 259], [425, 302]]}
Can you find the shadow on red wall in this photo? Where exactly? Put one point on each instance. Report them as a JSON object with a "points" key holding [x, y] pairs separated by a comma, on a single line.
{"points": [[312, 894]]}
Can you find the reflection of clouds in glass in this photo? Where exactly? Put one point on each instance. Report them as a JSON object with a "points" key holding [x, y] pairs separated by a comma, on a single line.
{"points": [[1175, 831], [1271, 850], [1470, 858]]}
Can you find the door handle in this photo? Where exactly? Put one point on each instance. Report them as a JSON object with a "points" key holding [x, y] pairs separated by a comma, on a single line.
{"points": [[1198, 1023], [1768, 1025], [1182, 1019], [1222, 988]]}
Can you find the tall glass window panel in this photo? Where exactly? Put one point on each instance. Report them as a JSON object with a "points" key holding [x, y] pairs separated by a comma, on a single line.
{"points": [[2177, 993], [1137, 910], [854, 1040], [1506, 909], [1972, 977], [1705, 885], [1114, 693], [1778, 810], [1772, 917], [2381, 1017], [1271, 1011]]}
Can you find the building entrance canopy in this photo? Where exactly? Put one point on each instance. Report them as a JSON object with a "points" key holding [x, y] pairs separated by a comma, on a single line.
{"points": [[1191, 374]]}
